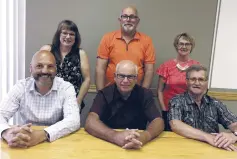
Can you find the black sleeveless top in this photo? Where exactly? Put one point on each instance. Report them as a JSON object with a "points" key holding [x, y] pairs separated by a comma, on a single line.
{"points": [[70, 70]]}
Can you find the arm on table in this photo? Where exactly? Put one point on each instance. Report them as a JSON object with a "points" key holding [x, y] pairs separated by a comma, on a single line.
{"points": [[71, 120], [153, 130], [97, 128], [16, 136], [156, 125], [228, 120], [185, 130], [10, 105]]}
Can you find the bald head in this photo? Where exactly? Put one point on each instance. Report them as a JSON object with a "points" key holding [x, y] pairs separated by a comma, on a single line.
{"points": [[43, 68], [127, 65], [125, 77], [132, 8], [41, 55]]}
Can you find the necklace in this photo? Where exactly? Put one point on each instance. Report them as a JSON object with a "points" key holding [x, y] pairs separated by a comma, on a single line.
{"points": [[182, 68]]}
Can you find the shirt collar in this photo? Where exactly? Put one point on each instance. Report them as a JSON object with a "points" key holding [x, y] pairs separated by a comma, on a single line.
{"points": [[190, 100], [54, 87], [117, 94], [118, 35]]}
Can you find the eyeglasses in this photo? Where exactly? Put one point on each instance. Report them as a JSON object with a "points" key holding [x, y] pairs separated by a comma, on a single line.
{"points": [[129, 77], [131, 17], [64, 33], [184, 44], [200, 80]]}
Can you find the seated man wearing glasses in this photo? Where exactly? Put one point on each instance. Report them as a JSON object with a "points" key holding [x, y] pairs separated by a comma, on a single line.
{"points": [[125, 105], [125, 44], [196, 115]]}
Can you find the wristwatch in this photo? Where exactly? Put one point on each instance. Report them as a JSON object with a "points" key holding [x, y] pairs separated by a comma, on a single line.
{"points": [[235, 133], [47, 135]]}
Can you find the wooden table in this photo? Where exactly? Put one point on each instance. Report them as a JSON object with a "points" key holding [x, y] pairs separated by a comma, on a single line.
{"points": [[81, 145]]}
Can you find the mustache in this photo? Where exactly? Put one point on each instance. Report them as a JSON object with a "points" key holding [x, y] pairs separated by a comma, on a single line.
{"points": [[37, 76], [44, 74], [127, 24]]}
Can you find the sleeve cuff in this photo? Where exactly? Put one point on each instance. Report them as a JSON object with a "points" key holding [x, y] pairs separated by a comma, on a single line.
{"points": [[49, 135], [3, 127]]}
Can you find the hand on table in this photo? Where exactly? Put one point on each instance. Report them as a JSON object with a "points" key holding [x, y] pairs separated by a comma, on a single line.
{"points": [[128, 139], [215, 140], [17, 136], [223, 140], [23, 136]]}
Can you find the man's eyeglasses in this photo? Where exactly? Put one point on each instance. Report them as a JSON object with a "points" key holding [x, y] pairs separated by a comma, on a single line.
{"points": [[184, 44], [129, 77], [66, 33], [200, 80], [131, 17]]}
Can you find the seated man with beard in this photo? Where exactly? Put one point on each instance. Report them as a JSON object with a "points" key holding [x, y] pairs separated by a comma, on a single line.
{"points": [[125, 105], [41, 99]]}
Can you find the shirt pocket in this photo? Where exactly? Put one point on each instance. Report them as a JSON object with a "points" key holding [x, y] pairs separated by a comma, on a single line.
{"points": [[211, 121], [211, 116], [188, 116]]}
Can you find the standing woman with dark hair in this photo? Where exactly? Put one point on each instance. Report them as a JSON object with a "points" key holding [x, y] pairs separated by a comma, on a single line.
{"points": [[172, 75], [72, 61]]}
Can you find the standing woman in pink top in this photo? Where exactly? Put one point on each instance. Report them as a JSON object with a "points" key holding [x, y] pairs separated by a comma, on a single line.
{"points": [[172, 76]]}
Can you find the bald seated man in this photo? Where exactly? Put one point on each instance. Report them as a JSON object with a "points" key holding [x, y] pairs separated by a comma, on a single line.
{"points": [[125, 105], [41, 99]]}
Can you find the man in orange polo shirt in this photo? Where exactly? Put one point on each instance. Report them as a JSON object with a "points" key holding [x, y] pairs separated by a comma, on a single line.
{"points": [[125, 44]]}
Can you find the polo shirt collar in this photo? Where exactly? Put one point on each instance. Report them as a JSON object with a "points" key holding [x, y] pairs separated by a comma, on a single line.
{"points": [[118, 35]]}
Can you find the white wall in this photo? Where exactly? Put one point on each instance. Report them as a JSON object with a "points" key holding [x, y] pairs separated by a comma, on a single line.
{"points": [[224, 64]]}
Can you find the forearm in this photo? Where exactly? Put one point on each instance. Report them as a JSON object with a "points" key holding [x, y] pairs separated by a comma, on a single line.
{"points": [[83, 90], [64, 127], [100, 79], [96, 128], [233, 127], [41, 135], [3, 124], [153, 130], [147, 78], [185, 130]]}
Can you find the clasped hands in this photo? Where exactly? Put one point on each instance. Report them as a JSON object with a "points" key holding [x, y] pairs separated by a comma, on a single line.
{"points": [[223, 140], [23, 136], [128, 139]]}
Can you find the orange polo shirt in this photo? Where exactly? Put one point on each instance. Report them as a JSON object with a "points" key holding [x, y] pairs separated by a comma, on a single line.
{"points": [[113, 47]]}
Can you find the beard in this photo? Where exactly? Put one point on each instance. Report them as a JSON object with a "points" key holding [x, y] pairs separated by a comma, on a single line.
{"points": [[128, 29], [45, 81]]}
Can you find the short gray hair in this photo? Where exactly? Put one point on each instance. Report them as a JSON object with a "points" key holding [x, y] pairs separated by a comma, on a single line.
{"points": [[185, 36], [196, 68], [132, 7]]}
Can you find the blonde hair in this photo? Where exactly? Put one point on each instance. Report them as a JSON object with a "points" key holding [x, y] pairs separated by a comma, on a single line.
{"points": [[185, 36]]}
